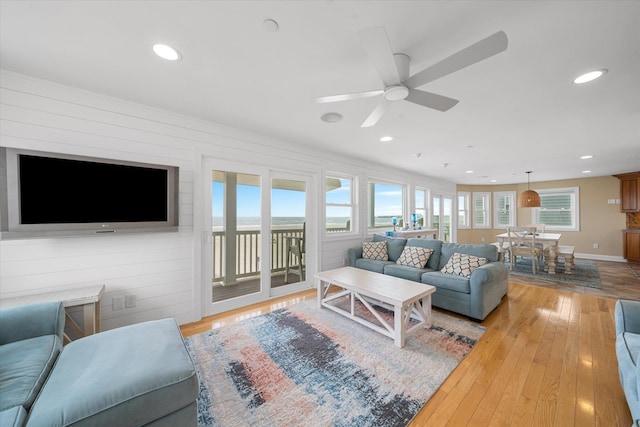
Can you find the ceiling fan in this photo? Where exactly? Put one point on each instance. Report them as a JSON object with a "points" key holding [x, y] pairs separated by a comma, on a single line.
{"points": [[394, 72]]}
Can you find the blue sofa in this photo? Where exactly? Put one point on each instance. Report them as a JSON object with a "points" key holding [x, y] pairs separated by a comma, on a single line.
{"points": [[475, 296], [131, 376], [627, 319]]}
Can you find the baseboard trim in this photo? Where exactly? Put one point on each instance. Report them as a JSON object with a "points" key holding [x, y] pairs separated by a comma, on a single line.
{"points": [[601, 257]]}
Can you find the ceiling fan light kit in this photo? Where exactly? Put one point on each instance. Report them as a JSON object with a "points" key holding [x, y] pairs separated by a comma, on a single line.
{"points": [[529, 198], [394, 72]]}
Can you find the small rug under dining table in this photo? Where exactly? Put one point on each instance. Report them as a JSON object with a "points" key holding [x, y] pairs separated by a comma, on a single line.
{"points": [[307, 366], [584, 273]]}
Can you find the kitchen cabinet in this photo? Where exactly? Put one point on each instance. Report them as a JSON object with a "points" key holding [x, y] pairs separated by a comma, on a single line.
{"points": [[629, 191], [632, 245]]}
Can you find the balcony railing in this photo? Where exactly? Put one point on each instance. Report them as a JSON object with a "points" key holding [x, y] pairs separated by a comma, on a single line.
{"points": [[248, 251]]}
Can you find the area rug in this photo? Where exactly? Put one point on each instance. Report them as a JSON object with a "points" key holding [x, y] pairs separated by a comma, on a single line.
{"points": [[306, 366], [583, 273]]}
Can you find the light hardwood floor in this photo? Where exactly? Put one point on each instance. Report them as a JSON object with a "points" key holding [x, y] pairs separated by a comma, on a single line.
{"points": [[547, 358]]}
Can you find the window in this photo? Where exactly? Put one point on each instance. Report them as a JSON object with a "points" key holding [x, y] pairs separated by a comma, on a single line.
{"points": [[505, 212], [385, 202], [422, 207], [482, 210], [559, 209], [339, 204], [464, 216]]}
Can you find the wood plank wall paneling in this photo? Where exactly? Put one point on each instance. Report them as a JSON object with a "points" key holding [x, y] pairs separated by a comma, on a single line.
{"points": [[161, 269], [157, 268]]}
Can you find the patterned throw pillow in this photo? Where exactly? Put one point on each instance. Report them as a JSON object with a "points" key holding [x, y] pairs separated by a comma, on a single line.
{"points": [[463, 264], [414, 256], [375, 250]]}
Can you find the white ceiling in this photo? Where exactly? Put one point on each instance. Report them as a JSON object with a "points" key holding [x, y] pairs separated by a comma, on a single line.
{"points": [[518, 110]]}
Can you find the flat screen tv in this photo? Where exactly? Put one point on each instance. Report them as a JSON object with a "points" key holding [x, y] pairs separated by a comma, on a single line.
{"points": [[58, 194]]}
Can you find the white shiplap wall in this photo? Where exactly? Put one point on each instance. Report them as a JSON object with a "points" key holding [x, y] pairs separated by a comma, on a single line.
{"points": [[161, 269]]}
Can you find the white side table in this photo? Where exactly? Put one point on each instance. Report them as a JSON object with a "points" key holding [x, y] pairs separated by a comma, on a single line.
{"points": [[88, 298]]}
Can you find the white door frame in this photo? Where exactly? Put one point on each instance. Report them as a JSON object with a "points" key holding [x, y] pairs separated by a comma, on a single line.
{"points": [[309, 235], [266, 175]]}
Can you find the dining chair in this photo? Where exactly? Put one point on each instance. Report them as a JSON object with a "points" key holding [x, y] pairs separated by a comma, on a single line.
{"points": [[522, 242], [539, 230], [296, 247]]}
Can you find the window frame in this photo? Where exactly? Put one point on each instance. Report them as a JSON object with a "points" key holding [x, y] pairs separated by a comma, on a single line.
{"points": [[574, 192], [426, 222], [496, 212], [355, 225], [486, 195], [370, 207], [466, 195]]}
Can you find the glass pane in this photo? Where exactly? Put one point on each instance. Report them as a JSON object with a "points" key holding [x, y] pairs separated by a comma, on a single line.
{"points": [[555, 201], [447, 213], [236, 234], [504, 210], [422, 213], [559, 218], [436, 215], [462, 211], [338, 192], [556, 209], [288, 226], [338, 219], [385, 203], [420, 200], [462, 218]]}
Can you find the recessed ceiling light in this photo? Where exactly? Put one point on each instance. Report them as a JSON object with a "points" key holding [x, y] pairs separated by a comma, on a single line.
{"points": [[586, 171], [331, 117], [166, 52], [591, 75], [588, 156], [270, 25], [418, 155], [386, 139], [493, 180], [468, 171]]}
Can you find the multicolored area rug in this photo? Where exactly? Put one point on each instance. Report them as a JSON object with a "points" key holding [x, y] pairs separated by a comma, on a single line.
{"points": [[305, 366], [583, 273]]}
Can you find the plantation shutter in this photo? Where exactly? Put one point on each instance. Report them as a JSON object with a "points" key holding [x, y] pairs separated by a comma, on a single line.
{"points": [[556, 209]]}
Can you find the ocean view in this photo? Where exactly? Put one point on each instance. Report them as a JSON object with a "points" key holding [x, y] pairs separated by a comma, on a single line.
{"points": [[245, 222], [252, 222]]}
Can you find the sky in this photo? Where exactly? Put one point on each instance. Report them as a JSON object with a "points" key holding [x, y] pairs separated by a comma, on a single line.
{"points": [[289, 203]]}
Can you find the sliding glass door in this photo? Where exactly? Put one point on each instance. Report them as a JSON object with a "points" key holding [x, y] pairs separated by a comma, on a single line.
{"points": [[257, 244], [442, 214], [288, 232]]}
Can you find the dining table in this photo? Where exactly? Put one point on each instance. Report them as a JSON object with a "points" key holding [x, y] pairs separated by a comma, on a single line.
{"points": [[550, 242]]}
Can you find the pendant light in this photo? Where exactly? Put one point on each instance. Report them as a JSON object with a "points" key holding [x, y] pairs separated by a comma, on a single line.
{"points": [[529, 198]]}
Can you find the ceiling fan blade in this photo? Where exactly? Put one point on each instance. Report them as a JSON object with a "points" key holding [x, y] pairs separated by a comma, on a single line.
{"points": [[348, 96], [376, 114], [477, 52], [431, 100], [376, 44]]}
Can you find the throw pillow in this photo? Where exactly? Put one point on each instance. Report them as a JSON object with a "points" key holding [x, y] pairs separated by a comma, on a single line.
{"points": [[375, 250], [463, 264], [414, 256]]}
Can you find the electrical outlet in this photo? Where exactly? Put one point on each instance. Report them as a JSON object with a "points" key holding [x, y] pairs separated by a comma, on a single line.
{"points": [[596, 246], [117, 303], [130, 301], [482, 240]]}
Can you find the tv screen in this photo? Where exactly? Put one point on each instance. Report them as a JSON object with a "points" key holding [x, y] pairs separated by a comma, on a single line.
{"points": [[48, 192]]}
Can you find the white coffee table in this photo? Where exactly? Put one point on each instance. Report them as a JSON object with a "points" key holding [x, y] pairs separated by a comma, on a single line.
{"points": [[407, 298]]}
